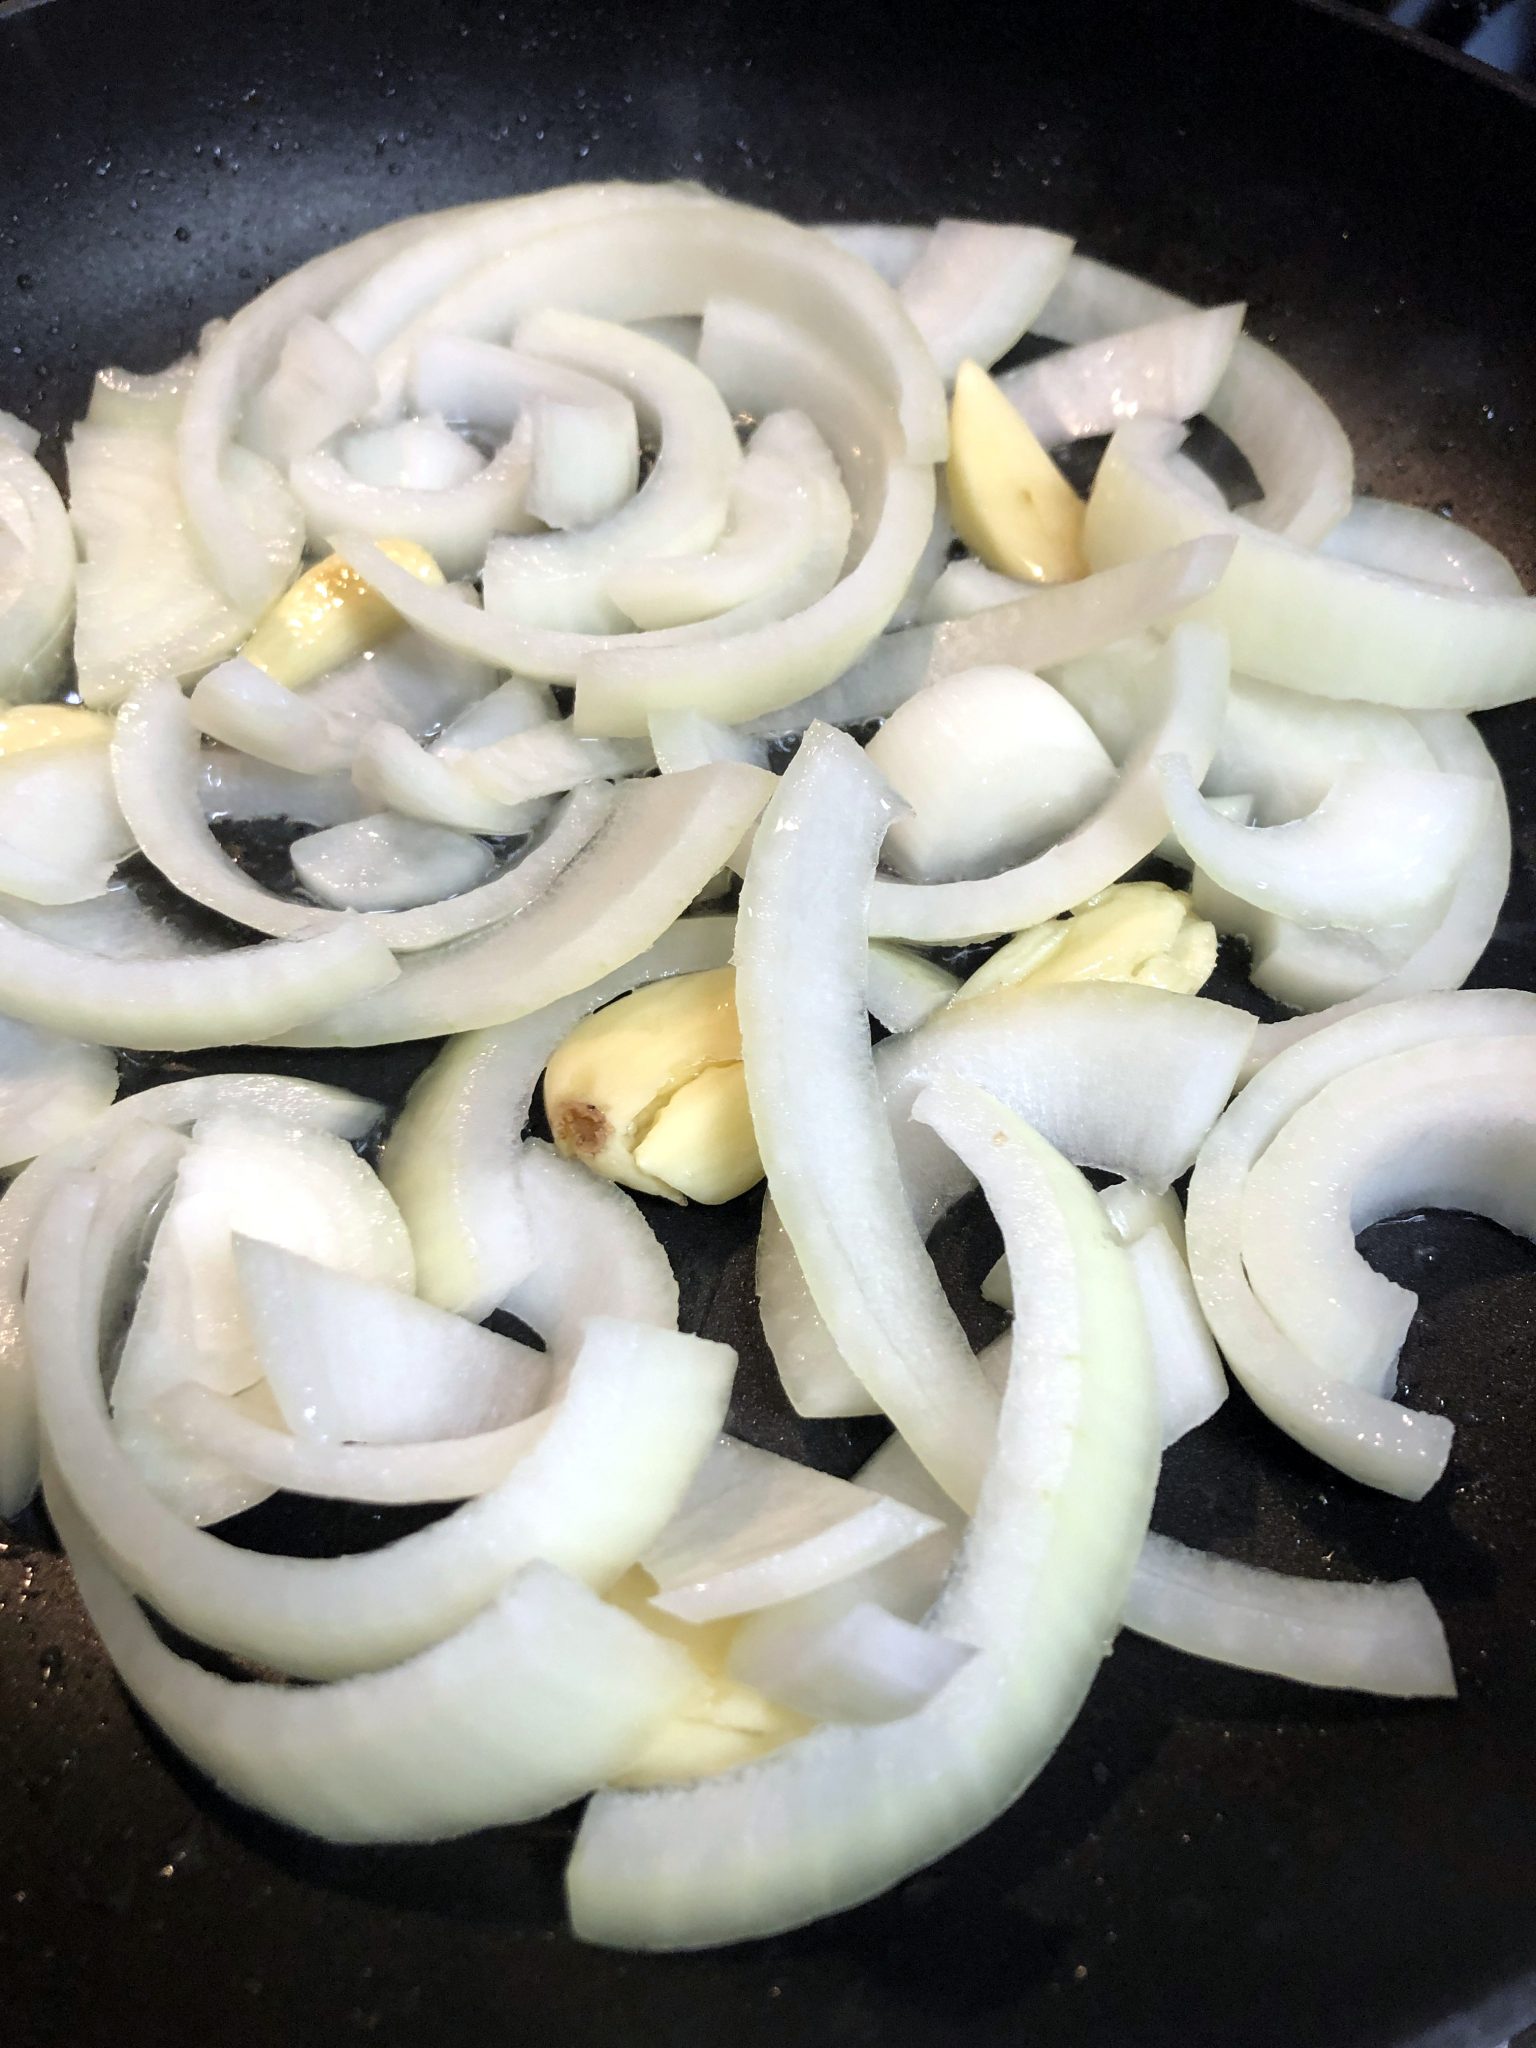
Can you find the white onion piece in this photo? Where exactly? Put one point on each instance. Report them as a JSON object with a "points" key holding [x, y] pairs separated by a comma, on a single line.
{"points": [[1191, 1385], [451, 1160], [547, 760], [787, 500], [1384, 1639], [826, 1144], [1381, 848], [388, 863], [306, 1103], [61, 831], [1285, 750], [514, 706], [348, 1360], [19, 434], [547, 1693], [993, 764], [867, 1665], [1447, 956], [146, 603], [888, 249], [51, 1089], [237, 785], [321, 384], [1238, 810], [966, 587], [246, 708], [1187, 699], [975, 287], [392, 771], [1054, 623], [1385, 638], [816, 1378], [661, 840], [1445, 1126], [640, 1411], [1372, 1439], [1405, 540], [416, 455], [1169, 368], [127, 398], [687, 739], [455, 523], [904, 988], [755, 1529], [37, 576], [931, 564], [408, 680], [1134, 1209], [1037, 1591], [558, 579]]}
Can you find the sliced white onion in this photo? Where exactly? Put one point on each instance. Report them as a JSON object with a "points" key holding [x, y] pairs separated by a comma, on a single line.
{"points": [[1187, 698], [1405, 540], [755, 1529], [416, 455], [974, 288], [451, 1160], [61, 831], [904, 988], [889, 250], [321, 384], [545, 1694], [1374, 1638], [244, 707], [546, 760], [37, 576], [993, 764], [392, 771], [816, 1378], [388, 863], [866, 1665], [50, 1090], [125, 398], [661, 840], [966, 587], [237, 785], [1191, 1385], [19, 434], [822, 1129], [687, 739], [455, 524], [1368, 634], [1134, 1209], [1381, 848], [1037, 1591], [409, 680], [1285, 750], [1351, 1426], [1169, 368]]}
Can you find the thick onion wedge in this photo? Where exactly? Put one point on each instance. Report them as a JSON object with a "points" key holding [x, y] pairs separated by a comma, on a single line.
{"points": [[659, 845], [1381, 1639], [1037, 1591], [451, 1161], [1352, 1427], [1368, 634], [37, 584], [821, 1127], [544, 1695], [1187, 699], [1169, 368], [975, 287]]}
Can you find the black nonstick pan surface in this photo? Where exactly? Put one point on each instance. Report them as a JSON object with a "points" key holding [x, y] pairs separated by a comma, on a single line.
{"points": [[1213, 1860]]}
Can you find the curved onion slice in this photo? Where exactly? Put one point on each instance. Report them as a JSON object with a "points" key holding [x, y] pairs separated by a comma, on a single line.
{"points": [[545, 1694], [687, 739], [889, 249], [755, 1529], [388, 863], [451, 1160], [1368, 634], [50, 1089], [1037, 1591], [305, 1103], [321, 384], [1351, 1426], [1191, 681], [127, 398], [61, 831], [641, 1409], [416, 454], [1381, 848], [661, 841], [244, 707], [1405, 540], [1381, 1639], [822, 1130], [1285, 750], [428, 784], [37, 576], [974, 288], [455, 523], [548, 759], [236, 785], [905, 989], [1169, 368], [864, 1664], [1446, 1126], [786, 503]]}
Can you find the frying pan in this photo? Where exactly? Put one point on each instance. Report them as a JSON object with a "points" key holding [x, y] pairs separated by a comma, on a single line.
{"points": [[1214, 1859]]}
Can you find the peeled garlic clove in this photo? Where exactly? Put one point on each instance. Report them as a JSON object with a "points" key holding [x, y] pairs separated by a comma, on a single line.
{"points": [[1134, 931], [650, 1092], [330, 616], [1009, 502]]}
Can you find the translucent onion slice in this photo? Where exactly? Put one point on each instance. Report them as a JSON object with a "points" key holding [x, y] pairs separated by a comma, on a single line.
{"points": [[1405, 540], [416, 454], [451, 1159], [392, 771], [905, 988], [388, 863], [1382, 637], [455, 523], [1373, 1638], [974, 288], [41, 789], [640, 1411], [1352, 1427], [37, 576], [1381, 848], [237, 785], [125, 398], [548, 759], [1169, 368], [348, 1360], [1446, 1126], [687, 739], [545, 1694], [826, 1144], [755, 1529], [1037, 1591], [888, 249], [321, 384], [175, 1103], [867, 1664], [409, 680], [967, 587], [50, 1090], [1188, 697], [1285, 750], [244, 707], [659, 844]]}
